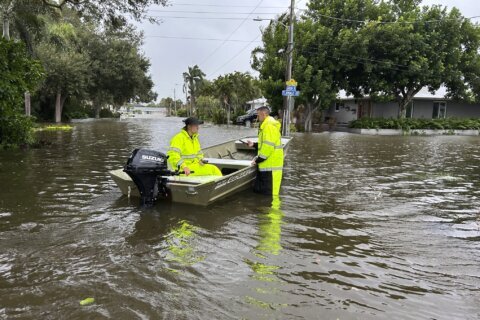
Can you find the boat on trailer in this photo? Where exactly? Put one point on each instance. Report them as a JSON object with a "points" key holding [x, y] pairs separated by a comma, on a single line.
{"points": [[146, 175]]}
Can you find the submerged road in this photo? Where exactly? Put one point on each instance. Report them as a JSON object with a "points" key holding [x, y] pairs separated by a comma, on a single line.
{"points": [[366, 228]]}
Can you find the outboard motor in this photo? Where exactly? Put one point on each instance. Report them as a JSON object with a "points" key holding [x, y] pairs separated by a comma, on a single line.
{"points": [[146, 167]]}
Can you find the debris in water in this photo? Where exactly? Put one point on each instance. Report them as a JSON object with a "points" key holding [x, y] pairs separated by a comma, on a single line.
{"points": [[87, 301]]}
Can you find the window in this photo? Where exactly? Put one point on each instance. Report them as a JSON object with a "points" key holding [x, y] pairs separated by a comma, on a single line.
{"points": [[339, 105], [410, 110], [439, 109]]}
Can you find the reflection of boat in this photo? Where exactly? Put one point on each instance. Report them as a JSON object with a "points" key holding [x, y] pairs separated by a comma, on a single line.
{"points": [[233, 158]]}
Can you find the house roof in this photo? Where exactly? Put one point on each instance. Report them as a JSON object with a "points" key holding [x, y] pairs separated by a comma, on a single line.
{"points": [[261, 100], [423, 94]]}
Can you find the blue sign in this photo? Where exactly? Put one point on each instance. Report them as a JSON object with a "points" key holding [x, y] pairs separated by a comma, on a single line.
{"points": [[291, 88], [286, 93]]}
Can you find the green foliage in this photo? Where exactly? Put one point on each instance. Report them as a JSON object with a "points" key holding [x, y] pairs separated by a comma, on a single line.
{"points": [[16, 130], [113, 12], [107, 113], [18, 74], [335, 49], [228, 92], [206, 106], [193, 80], [408, 124], [182, 112], [218, 116], [119, 71]]}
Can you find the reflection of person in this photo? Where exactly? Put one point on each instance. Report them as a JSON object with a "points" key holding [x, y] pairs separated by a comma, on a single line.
{"points": [[270, 154], [269, 244], [185, 152], [271, 229]]}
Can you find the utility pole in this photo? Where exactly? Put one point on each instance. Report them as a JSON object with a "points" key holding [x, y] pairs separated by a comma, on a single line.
{"points": [[289, 102], [175, 100]]}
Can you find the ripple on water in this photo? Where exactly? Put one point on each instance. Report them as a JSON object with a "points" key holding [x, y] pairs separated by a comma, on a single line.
{"points": [[367, 228]]}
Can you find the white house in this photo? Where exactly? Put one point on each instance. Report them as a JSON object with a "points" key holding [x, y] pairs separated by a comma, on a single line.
{"points": [[257, 103]]}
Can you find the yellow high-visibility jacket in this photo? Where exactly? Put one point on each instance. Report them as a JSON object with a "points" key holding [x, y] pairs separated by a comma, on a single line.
{"points": [[270, 145], [184, 151]]}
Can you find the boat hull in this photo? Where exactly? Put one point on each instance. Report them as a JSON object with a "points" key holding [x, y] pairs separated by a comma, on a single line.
{"points": [[232, 157]]}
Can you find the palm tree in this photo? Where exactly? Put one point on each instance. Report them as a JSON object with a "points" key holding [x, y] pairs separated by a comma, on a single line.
{"points": [[192, 82]]}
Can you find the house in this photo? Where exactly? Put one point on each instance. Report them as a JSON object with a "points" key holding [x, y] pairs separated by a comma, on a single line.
{"points": [[424, 106], [255, 104], [141, 112]]}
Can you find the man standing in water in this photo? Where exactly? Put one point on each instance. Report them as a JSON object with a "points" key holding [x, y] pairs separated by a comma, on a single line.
{"points": [[269, 158], [185, 152]]}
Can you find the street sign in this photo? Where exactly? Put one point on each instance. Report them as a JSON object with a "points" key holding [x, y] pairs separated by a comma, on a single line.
{"points": [[292, 83], [291, 88], [286, 93]]}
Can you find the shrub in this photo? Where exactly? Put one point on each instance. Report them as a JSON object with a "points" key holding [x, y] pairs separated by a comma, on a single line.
{"points": [[218, 116], [416, 124], [19, 74], [16, 130], [182, 113], [107, 113]]}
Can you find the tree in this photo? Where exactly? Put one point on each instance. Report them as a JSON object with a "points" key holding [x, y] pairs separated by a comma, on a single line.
{"points": [[114, 12], [401, 48], [388, 50], [234, 90], [67, 67], [118, 70], [18, 73], [193, 79], [318, 77]]}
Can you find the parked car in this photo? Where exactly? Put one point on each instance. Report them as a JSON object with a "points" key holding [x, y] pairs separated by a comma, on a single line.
{"points": [[247, 119]]}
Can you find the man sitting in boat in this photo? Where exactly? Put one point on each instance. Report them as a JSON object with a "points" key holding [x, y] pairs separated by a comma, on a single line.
{"points": [[185, 153], [270, 154]]}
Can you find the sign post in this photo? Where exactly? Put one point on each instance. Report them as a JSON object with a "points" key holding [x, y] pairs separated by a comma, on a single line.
{"points": [[289, 92]]}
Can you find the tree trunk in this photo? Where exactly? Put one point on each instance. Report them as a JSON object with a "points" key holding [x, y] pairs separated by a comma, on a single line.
{"points": [[28, 107], [62, 103], [309, 117], [58, 107], [6, 26], [97, 111], [228, 115]]}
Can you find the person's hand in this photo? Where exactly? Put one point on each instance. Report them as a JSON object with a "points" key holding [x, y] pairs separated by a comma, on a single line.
{"points": [[249, 143], [186, 170], [254, 162]]}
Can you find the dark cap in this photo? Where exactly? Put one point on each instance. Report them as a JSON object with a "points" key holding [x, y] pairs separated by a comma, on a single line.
{"points": [[192, 121]]}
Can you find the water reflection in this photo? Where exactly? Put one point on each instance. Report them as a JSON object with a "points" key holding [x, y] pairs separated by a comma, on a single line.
{"points": [[264, 269], [367, 228]]}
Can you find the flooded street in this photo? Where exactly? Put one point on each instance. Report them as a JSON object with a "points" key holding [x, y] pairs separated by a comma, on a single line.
{"points": [[366, 228]]}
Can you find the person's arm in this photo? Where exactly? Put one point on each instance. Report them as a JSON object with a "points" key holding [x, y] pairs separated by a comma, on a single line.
{"points": [[175, 154], [252, 144], [267, 147]]}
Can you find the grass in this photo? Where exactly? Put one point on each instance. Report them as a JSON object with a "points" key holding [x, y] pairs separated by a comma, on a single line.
{"points": [[55, 128]]}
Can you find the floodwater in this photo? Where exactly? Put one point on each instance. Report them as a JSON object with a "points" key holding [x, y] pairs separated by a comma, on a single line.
{"points": [[365, 228]]}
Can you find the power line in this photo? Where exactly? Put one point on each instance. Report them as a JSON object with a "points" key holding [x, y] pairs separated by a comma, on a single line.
{"points": [[209, 12], [193, 38], [231, 34], [235, 56], [386, 22], [224, 6], [200, 18]]}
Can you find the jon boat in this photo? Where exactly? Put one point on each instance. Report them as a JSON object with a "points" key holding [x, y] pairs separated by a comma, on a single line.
{"points": [[233, 158]]}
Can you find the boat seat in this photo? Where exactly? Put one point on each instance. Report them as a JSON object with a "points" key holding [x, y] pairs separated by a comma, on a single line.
{"points": [[229, 163], [193, 179]]}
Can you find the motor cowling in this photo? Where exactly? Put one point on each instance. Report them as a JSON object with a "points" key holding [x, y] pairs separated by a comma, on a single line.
{"points": [[145, 167]]}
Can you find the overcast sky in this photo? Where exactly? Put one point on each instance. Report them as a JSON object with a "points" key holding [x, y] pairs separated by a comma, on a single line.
{"points": [[187, 36]]}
